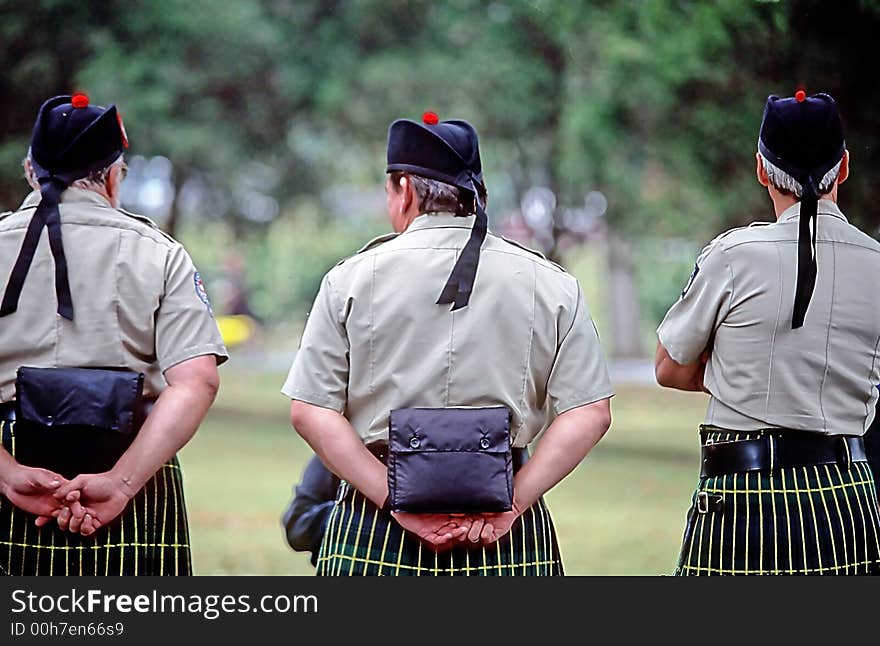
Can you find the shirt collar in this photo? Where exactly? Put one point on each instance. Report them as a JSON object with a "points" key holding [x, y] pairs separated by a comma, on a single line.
{"points": [[70, 195], [824, 207], [84, 196], [441, 221], [33, 199]]}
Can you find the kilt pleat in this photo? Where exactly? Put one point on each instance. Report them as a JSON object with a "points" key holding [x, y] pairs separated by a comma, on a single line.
{"points": [[362, 541], [820, 519], [150, 537]]}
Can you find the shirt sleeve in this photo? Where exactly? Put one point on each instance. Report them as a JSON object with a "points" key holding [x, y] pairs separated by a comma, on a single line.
{"points": [[580, 374], [185, 325], [319, 374], [690, 323]]}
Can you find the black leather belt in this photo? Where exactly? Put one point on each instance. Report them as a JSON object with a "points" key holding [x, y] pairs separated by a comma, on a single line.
{"points": [[780, 450], [520, 455]]}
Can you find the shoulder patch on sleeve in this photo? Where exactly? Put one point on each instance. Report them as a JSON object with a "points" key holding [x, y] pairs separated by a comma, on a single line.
{"points": [[690, 280], [201, 292], [714, 244]]}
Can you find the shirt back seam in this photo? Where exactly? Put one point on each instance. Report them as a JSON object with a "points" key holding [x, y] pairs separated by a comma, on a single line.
{"points": [[828, 338]]}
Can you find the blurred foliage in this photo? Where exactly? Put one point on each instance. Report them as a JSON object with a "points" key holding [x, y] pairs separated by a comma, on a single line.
{"points": [[284, 266], [662, 280], [655, 103]]}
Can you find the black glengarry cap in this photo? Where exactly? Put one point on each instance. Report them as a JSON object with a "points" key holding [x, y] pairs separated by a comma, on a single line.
{"points": [[71, 139], [446, 151], [803, 136]]}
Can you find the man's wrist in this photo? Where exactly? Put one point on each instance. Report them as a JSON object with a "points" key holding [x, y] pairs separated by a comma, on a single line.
{"points": [[126, 482], [7, 466], [519, 506]]}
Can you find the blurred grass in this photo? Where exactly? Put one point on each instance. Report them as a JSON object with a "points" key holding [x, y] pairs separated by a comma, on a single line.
{"points": [[620, 513]]}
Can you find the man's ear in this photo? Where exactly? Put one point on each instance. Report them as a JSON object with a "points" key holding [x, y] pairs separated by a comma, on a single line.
{"points": [[114, 182], [844, 168], [763, 179], [409, 194], [29, 174]]}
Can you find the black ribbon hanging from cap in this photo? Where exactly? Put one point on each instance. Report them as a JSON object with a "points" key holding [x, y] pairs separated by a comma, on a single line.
{"points": [[460, 284], [446, 151], [71, 139], [806, 265], [803, 137], [46, 215]]}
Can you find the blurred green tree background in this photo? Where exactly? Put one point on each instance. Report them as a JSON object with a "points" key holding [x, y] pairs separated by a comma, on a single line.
{"points": [[618, 137]]}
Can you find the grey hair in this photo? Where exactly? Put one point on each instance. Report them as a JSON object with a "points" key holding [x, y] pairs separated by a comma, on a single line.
{"points": [[95, 179], [786, 183], [28, 165], [437, 196]]}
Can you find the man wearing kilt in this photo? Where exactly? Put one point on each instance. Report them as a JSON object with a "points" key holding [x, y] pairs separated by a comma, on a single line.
{"points": [[778, 326], [108, 363], [510, 330]]}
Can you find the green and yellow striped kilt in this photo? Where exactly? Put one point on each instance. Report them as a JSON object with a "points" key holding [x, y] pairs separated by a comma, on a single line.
{"points": [[801, 520], [360, 540], [150, 537]]}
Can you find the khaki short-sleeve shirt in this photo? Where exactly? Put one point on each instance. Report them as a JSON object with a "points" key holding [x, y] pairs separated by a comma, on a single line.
{"points": [[761, 373], [376, 340], [138, 300]]}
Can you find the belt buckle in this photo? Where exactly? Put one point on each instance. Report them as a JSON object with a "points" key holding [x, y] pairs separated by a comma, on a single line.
{"points": [[702, 502], [709, 503]]}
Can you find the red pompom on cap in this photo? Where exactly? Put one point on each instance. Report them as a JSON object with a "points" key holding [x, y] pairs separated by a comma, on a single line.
{"points": [[122, 130], [431, 118], [800, 96], [79, 100]]}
